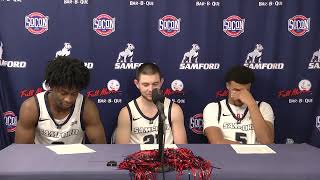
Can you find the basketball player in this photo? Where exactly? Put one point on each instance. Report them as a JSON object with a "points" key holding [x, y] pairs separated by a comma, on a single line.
{"points": [[240, 118], [61, 115], [138, 121]]}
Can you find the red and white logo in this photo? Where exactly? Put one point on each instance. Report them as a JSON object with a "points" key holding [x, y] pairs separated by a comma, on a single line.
{"points": [[36, 23], [177, 85], [304, 85], [299, 25], [169, 25], [233, 26], [318, 122], [113, 85], [196, 124], [10, 120], [104, 24]]}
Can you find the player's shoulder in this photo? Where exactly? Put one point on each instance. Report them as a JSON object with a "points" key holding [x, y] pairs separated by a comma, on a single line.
{"points": [[214, 105], [124, 110], [29, 103], [264, 104]]}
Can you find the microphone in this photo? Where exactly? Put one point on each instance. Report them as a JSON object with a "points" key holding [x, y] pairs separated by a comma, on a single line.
{"points": [[157, 96], [158, 100]]}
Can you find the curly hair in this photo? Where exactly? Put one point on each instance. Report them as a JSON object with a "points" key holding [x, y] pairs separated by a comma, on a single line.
{"points": [[240, 74], [67, 72]]}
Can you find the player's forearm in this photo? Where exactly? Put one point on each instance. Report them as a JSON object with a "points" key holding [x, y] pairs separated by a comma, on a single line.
{"points": [[122, 141], [180, 140], [96, 135], [263, 131], [223, 141], [101, 139], [24, 140]]}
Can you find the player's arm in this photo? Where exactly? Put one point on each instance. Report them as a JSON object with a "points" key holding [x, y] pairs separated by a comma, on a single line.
{"points": [[264, 129], [124, 126], [215, 136], [28, 118], [178, 128], [93, 125], [211, 125]]}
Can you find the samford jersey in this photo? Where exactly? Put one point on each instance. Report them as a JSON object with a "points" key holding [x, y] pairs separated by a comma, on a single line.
{"points": [[50, 131], [144, 130], [240, 130]]}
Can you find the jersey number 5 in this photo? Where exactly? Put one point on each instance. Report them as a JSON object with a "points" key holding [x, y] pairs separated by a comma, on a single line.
{"points": [[241, 137]]}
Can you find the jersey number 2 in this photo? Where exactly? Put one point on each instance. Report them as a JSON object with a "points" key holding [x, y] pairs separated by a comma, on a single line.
{"points": [[150, 139]]}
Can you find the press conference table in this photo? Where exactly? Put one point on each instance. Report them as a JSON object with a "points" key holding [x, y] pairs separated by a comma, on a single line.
{"points": [[36, 162]]}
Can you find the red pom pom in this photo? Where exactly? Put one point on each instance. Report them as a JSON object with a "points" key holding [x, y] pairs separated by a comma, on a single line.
{"points": [[145, 163]]}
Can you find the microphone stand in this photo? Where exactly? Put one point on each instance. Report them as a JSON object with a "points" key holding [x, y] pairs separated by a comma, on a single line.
{"points": [[162, 118], [158, 99], [161, 130]]}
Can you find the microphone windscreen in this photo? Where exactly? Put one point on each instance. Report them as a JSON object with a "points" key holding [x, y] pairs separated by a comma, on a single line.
{"points": [[157, 96]]}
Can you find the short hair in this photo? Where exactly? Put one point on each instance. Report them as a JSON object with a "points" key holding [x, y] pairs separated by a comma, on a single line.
{"points": [[67, 72], [148, 69], [240, 74]]}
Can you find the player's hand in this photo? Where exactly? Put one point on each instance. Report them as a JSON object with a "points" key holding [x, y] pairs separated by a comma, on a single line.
{"points": [[244, 96]]}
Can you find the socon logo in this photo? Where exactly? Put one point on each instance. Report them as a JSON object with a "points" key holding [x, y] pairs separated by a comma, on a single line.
{"points": [[36, 23], [196, 124], [318, 122], [233, 26], [169, 25], [1, 50], [299, 25], [10, 120], [104, 24]]}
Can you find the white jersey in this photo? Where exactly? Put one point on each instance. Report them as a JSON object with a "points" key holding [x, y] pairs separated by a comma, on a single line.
{"points": [[225, 117], [144, 130], [51, 131]]}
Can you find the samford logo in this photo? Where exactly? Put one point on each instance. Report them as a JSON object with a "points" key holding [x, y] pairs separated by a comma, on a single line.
{"points": [[124, 60], [10, 64], [190, 60], [254, 57], [315, 60]]}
